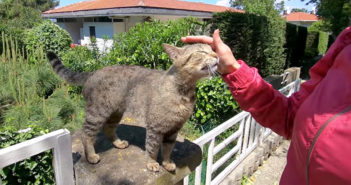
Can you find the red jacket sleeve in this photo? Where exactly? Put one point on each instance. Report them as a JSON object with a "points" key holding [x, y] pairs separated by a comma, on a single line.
{"points": [[268, 106]]}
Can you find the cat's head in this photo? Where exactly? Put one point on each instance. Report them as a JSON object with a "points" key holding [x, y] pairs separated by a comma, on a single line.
{"points": [[198, 60]]}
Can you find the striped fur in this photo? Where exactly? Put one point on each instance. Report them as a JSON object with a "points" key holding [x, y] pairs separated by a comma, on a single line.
{"points": [[69, 76]]}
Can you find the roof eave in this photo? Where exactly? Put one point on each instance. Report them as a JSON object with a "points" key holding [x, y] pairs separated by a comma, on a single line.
{"points": [[128, 12], [303, 20]]}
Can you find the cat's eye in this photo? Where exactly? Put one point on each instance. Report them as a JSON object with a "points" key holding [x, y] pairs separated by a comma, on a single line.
{"points": [[204, 52]]}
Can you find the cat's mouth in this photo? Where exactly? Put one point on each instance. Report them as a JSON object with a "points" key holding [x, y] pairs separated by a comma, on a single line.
{"points": [[210, 68]]}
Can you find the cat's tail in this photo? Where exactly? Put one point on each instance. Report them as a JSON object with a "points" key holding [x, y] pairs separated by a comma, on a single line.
{"points": [[70, 76]]}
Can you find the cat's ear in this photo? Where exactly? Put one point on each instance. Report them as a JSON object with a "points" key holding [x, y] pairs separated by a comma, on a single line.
{"points": [[172, 51]]}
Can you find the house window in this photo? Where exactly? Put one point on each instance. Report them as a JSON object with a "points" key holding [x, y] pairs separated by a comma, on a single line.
{"points": [[117, 20], [92, 31], [89, 19], [60, 20], [102, 19]]}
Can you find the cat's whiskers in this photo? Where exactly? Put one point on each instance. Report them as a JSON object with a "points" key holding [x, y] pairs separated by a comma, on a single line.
{"points": [[212, 72], [209, 70]]}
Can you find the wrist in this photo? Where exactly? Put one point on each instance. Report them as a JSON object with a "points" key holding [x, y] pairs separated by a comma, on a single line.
{"points": [[232, 67]]}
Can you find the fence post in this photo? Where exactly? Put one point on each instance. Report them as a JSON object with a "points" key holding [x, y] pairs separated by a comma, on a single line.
{"points": [[210, 162], [246, 134], [198, 170], [252, 131], [63, 163]]}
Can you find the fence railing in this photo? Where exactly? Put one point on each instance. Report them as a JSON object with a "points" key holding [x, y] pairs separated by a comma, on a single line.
{"points": [[247, 138], [59, 141]]}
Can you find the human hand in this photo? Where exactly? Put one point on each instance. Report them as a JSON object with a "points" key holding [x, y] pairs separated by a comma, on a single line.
{"points": [[227, 62]]}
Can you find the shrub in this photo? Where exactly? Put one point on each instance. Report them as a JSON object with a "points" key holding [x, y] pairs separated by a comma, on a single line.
{"points": [[142, 44], [60, 110], [35, 170], [24, 80], [48, 36], [32, 93], [80, 58], [215, 104], [256, 39]]}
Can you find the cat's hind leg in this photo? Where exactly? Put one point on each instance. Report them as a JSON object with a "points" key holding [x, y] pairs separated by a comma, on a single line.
{"points": [[167, 148], [152, 146], [110, 131], [94, 121]]}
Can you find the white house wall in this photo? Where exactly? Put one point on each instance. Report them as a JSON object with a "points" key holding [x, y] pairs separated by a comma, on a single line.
{"points": [[164, 18], [102, 29], [302, 23], [80, 32], [73, 28], [132, 21]]}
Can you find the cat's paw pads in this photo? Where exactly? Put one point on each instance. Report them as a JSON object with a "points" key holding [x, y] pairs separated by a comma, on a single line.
{"points": [[169, 166], [153, 166], [93, 159], [121, 144]]}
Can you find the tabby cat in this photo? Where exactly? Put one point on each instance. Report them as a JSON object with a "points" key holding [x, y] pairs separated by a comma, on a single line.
{"points": [[164, 99]]}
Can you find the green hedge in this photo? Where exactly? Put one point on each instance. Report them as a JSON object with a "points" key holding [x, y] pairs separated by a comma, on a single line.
{"points": [[258, 40], [323, 42], [317, 43], [295, 44], [312, 44], [303, 44]]}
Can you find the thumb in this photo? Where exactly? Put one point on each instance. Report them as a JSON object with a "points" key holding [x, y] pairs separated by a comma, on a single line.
{"points": [[217, 41]]}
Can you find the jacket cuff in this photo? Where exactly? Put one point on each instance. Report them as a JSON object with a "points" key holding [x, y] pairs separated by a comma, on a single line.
{"points": [[241, 77]]}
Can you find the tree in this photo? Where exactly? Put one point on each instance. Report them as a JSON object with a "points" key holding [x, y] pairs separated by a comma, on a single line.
{"points": [[335, 12], [275, 24], [16, 16], [320, 26], [10, 9], [260, 7], [299, 10], [238, 4]]}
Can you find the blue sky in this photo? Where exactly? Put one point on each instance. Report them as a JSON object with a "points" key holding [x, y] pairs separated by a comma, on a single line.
{"points": [[289, 4]]}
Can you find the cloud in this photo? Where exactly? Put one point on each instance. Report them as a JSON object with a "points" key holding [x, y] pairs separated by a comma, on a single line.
{"points": [[223, 3]]}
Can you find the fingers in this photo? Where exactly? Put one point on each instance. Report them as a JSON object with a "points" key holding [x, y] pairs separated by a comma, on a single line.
{"points": [[197, 39], [217, 41]]}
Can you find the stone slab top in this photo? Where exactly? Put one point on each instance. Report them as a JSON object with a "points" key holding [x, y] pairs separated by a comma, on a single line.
{"points": [[128, 166]]}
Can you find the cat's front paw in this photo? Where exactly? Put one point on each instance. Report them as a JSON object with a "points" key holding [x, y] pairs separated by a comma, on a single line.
{"points": [[121, 144], [153, 166], [169, 166], [93, 159]]}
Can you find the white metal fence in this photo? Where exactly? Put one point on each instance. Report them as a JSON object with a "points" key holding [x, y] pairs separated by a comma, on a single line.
{"points": [[59, 141], [248, 136]]}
